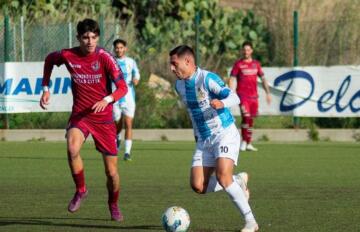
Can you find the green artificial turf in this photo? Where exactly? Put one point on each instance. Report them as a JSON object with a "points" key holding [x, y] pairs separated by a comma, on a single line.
{"points": [[294, 187]]}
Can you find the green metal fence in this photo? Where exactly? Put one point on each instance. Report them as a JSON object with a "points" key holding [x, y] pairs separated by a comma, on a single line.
{"points": [[34, 42], [2, 49], [319, 42]]}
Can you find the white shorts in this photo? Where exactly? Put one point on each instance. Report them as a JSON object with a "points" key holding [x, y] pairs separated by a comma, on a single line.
{"points": [[227, 145], [125, 106]]}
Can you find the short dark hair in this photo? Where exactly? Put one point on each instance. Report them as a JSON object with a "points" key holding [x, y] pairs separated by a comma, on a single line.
{"points": [[182, 50], [88, 25], [247, 43], [117, 41]]}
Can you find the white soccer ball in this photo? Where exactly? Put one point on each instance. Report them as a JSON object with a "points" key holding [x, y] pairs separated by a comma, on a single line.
{"points": [[175, 219]]}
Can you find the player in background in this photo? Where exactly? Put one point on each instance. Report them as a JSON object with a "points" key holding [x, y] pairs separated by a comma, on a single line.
{"points": [[217, 138], [245, 73], [124, 109], [92, 69]]}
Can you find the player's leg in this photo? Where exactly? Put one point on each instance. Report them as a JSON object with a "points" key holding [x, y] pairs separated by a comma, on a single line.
{"points": [[128, 136], [128, 112], [119, 126], [245, 121], [203, 167], [241, 179], [226, 152], [75, 139], [104, 136], [253, 105], [224, 170], [118, 122], [200, 177], [113, 186]]}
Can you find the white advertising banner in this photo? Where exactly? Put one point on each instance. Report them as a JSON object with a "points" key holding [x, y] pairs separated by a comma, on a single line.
{"points": [[20, 88], [311, 92], [303, 91]]}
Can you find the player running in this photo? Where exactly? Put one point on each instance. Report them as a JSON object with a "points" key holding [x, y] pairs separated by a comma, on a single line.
{"points": [[125, 106], [92, 70], [245, 72], [217, 138]]}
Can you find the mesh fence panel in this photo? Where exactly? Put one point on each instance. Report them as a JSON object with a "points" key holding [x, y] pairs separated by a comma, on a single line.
{"points": [[36, 41], [320, 42]]}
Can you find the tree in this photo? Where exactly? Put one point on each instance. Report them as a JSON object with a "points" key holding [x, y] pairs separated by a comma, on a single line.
{"points": [[164, 24]]}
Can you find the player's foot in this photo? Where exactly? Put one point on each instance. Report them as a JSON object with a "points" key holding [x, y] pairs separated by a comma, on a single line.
{"points": [[250, 226], [115, 212], [75, 203], [243, 146], [250, 147], [127, 157], [242, 179]]}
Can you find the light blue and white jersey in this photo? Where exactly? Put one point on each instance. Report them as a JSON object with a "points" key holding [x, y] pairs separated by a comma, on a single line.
{"points": [[197, 93], [130, 71]]}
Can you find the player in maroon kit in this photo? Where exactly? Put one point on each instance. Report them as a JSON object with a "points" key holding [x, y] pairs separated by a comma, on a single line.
{"points": [[246, 71], [92, 70]]}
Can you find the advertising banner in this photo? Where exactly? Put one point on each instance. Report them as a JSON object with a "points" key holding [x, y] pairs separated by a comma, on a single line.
{"points": [[303, 91]]}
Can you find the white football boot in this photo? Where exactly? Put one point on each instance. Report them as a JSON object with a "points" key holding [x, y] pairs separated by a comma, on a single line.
{"points": [[242, 179], [250, 147], [250, 226], [243, 146]]}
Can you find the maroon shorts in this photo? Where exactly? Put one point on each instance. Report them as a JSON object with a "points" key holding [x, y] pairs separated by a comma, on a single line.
{"points": [[104, 134], [250, 106]]}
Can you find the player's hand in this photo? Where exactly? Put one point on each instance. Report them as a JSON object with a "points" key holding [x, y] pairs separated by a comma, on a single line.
{"points": [[135, 82], [45, 100], [99, 106], [268, 99], [216, 104]]}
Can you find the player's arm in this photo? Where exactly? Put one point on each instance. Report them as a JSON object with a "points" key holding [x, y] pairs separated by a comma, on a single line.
{"points": [[233, 77], [117, 78], [135, 74], [225, 97], [52, 59], [232, 83], [264, 84]]}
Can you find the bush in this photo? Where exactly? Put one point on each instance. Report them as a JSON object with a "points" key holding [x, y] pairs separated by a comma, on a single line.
{"points": [[41, 120], [152, 112]]}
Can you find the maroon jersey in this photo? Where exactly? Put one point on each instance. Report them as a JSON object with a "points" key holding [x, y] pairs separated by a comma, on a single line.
{"points": [[91, 77], [246, 74]]}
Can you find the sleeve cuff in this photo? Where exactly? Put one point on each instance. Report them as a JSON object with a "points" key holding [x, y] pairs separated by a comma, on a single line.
{"points": [[108, 99], [46, 88]]}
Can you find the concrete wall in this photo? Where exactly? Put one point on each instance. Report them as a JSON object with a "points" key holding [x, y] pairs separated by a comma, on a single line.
{"points": [[275, 135]]}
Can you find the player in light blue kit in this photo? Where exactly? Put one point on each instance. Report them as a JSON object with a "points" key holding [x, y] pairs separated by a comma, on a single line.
{"points": [[217, 138], [124, 109]]}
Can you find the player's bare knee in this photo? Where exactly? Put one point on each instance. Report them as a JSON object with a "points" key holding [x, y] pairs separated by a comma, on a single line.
{"points": [[224, 179], [198, 188], [73, 153], [112, 174]]}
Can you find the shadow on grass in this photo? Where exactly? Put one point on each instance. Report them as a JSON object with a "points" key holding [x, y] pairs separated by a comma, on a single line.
{"points": [[47, 221], [4, 221], [44, 158]]}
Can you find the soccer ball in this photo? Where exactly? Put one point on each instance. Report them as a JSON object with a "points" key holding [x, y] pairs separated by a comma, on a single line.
{"points": [[175, 219]]}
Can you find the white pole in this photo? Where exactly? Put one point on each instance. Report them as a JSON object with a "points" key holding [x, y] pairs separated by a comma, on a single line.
{"points": [[22, 39], [70, 35]]}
